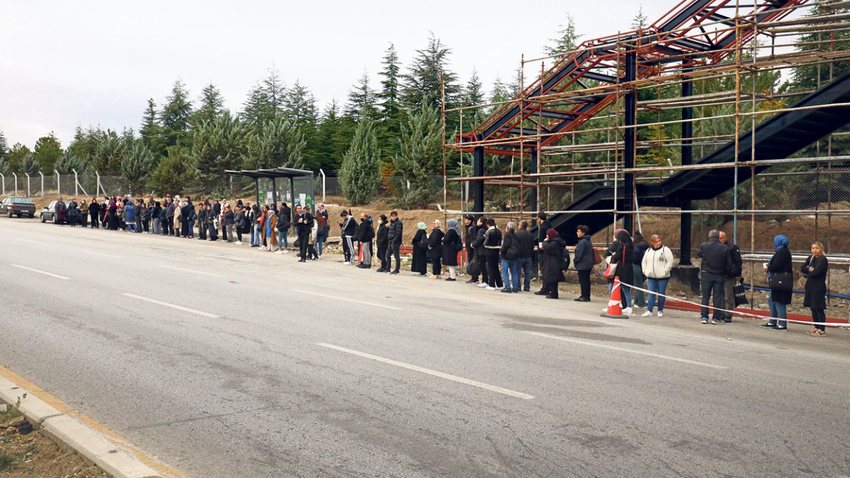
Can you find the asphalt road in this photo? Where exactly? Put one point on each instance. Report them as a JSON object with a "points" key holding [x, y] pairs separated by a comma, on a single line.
{"points": [[277, 368]]}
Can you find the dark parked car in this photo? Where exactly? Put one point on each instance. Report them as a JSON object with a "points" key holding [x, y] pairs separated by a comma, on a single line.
{"points": [[11, 206], [49, 214]]}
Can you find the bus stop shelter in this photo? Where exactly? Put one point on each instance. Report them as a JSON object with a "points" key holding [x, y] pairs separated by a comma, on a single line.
{"points": [[295, 186]]}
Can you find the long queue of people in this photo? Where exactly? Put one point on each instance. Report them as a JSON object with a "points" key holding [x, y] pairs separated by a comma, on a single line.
{"points": [[497, 260]]}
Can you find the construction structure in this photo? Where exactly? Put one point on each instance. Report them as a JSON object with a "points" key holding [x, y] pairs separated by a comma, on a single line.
{"points": [[607, 133]]}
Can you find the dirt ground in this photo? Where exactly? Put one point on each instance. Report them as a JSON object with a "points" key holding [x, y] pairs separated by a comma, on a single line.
{"points": [[36, 456]]}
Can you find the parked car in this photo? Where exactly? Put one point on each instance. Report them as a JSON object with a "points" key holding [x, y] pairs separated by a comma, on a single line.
{"points": [[49, 213], [11, 206]]}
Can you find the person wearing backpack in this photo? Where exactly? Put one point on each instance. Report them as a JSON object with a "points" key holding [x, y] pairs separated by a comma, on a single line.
{"points": [[551, 271], [509, 253], [284, 222], [584, 262]]}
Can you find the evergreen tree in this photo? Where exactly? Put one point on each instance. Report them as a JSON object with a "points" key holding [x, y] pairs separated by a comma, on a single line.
{"points": [[212, 105], [218, 144], [333, 138], [151, 131], [473, 95], [501, 92], [422, 83], [136, 165], [16, 156], [31, 165], [267, 100], [388, 97], [3, 146], [5, 169], [275, 92], [361, 100], [419, 158], [70, 162], [176, 115], [301, 106], [173, 172], [86, 142], [566, 42], [360, 174], [640, 21], [278, 143], [110, 152], [47, 151]]}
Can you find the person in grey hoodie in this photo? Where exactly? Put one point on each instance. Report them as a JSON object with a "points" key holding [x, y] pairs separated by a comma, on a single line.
{"points": [[584, 262]]}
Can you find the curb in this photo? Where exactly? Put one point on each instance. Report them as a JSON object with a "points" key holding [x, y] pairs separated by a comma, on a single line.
{"points": [[70, 434]]}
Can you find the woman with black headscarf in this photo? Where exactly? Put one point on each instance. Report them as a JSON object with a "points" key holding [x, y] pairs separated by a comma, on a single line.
{"points": [[452, 244], [554, 249], [435, 249], [623, 257]]}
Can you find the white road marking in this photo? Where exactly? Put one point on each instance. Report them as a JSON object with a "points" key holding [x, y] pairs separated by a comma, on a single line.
{"points": [[33, 242], [40, 272], [100, 254], [193, 272], [348, 300], [435, 373], [647, 354], [166, 304]]}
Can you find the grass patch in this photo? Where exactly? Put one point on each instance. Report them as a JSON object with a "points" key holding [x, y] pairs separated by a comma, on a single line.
{"points": [[7, 461]]}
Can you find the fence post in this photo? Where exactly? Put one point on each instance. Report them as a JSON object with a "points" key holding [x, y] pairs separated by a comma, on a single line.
{"points": [[323, 184], [42, 183], [28, 184], [97, 192], [16, 183], [58, 187], [4, 183], [76, 183]]}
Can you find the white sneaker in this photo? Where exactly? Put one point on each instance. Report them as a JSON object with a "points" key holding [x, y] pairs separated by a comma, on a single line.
{"points": [[238, 242], [660, 314], [263, 248], [286, 251], [490, 288], [646, 314], [483, 284], [627, 311], [346, 263]]}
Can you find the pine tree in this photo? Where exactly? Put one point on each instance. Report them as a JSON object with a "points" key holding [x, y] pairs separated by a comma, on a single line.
{"points": [[3, 145], [640, 21], [422, 83], [278, 143], [15, 156], [176, 115], [173, 172], [110, 152], [419, 158], [218, 145], [151, 130], [361, 100], [5, 168], [360, 174], [255, 108], [334, 138], [501, 92], [275, 92], [473, 95], [136, 165], [47, 151], [567, 42], [389, 95], [212, 105], [70, 162], [301, 106], [31, 165]]}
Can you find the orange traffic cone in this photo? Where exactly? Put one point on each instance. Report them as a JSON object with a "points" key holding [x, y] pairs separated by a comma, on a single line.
{"points": [[614, 309]]}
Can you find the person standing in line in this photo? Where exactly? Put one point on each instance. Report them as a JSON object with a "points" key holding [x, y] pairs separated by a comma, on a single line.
{"points": [[452, 245], [365, 234], [815, 270], [637, 269], [284, 222], [348, 230], [303, 225], [229, 222], [130, 216], [256, 221], [169, 216], [435, 249], [241, 221], [178, 216], [543, 225], [779, 299], [140, 211], [735, 275], [321, 232], [657, 264], [271, 230], [151, 203], [381, 241], [716, 264], [554, 248], [146, 217], [419, 259], [94, 214], [508, 254], [480, 251], [583, 262], [312, 252], [211, 220], [468, 237], [492, 244], [202, 221], [624, 257], [524, 260], [155, 212], [191, 216], [394, 238], [164, 221], [184, 217]]}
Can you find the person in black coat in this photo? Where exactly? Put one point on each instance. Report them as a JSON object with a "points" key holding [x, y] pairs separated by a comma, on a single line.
{"points": [[394, 237], [815, 270], [554, 248], [778, 300], [94, 213], [365, 234], [419, 261], [623, 257], [435, 249], [303, 221], [479, 257], [382, 241], [469, 229], [348, 233], [492, 245], [211, 216], [452, 244], [202, 222]]}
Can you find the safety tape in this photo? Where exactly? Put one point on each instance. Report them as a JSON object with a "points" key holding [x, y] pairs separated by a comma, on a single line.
{"points": [[735, 312]]}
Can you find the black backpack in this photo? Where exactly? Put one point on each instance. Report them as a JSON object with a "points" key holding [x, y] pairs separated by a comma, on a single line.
{"points": [[565, 263]]}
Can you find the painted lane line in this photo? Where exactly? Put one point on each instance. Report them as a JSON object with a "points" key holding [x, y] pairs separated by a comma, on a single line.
{"points": [[100, 254], [166, 304], [193, 272], [40, 272], [647, 354], [427, 371], [347, 300]]}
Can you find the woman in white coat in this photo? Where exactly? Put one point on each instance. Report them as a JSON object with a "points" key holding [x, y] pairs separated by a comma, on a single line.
{"points": [[657, 264]]}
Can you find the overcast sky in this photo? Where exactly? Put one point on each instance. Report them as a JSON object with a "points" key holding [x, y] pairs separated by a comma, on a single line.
{"points": [[64, 63]]}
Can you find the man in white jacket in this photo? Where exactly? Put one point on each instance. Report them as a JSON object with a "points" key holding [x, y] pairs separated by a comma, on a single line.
{"points": [[657, 264]]}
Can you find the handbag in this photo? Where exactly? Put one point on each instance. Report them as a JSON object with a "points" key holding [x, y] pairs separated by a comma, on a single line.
{"points": [[610, 271], [597, 259], [781, 281], [740, 294]]}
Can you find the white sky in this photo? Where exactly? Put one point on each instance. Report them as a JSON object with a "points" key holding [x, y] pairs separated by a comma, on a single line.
{"points": [[64, 63]]}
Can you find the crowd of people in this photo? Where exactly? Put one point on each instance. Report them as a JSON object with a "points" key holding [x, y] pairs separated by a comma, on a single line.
{"points": [[497, 259]]}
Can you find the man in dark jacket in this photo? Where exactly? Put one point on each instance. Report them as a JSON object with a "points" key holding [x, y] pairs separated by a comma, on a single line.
{"points": [[202, 222], [382, 241], [492, 244], [365, 234], [303, 221], [584, 262], [169, 217], [525, 241], [716, 265], [468, 237], [543, 225], [396, 229], [508, 254], [732, 276], [284, 219], [480, 257]]}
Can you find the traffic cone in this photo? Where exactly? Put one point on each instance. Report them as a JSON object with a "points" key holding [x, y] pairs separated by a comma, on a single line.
{"points": [[614, 309]]}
